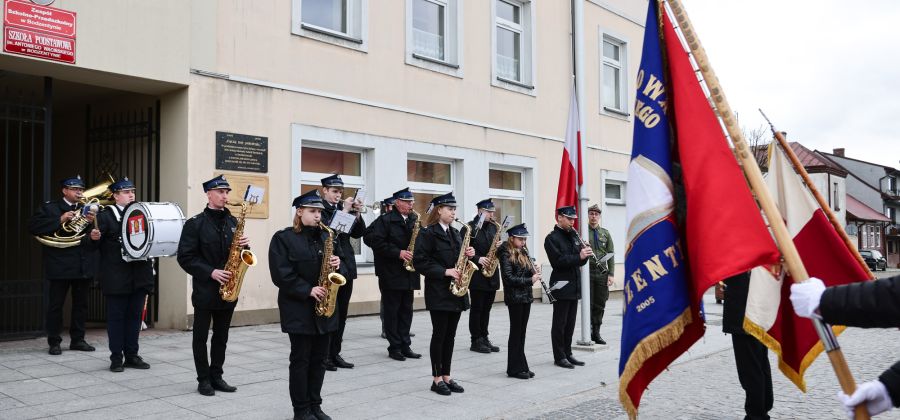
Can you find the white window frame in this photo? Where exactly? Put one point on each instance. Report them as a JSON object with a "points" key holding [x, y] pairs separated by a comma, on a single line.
{"points": [[430, 187], [613, 201], [452, 64], [504, 194], [622, 66], [527, 61], [356, 37]]}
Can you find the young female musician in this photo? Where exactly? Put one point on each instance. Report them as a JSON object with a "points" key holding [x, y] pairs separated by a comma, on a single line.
{"points": [[435, 256], [519, 276]]}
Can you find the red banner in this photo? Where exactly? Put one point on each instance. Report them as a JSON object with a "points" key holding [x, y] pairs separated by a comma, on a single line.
{"points": [[35, 44], [39, 18]]}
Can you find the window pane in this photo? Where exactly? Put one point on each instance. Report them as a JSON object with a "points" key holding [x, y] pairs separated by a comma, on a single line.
{"points": [[508, 207], [508, 54], [428, 29], [504, 180], [610, 50], [431, 172], [356, 243], [611, 97], [507, 11], [330, 161], [614, 191], [330, 14], [423, 200]]}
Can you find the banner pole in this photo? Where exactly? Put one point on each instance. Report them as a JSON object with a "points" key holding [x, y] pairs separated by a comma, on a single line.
{"points": [[754, 177]]}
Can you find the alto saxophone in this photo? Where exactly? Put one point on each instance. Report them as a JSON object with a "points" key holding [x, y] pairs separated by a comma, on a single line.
{"points": [[491, 267], [466, 268], [328, 279], [239, 259], [408, 265]]}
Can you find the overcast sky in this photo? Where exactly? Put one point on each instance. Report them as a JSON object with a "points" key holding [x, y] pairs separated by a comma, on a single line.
{"points": [[827, 71]]}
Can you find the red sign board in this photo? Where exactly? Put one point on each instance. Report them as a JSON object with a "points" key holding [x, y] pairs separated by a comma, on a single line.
{"points": [[39, 18], [36, 44]]}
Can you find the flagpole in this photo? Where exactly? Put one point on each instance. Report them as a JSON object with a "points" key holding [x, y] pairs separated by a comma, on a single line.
{"points": [[754, 177], [821, 200], [578, 45]]}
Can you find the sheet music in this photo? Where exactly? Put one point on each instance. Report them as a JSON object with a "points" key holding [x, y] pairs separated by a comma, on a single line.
{"points": [[360, 196], [559, 285], [342, 221], [606, 257], [254, 194]]}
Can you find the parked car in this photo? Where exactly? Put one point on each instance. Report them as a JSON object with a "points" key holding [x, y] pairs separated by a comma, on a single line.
{"points": [[874, 259]]}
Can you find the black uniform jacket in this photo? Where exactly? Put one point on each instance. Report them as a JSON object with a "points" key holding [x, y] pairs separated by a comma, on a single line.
{"points": [[434, 254], [870, 304], [348, 260], [295, 260], [203, 247], [117, 276], [77, 262], [517, 285], [482, 243], [387, 236], [563, 250], [736, 289]]}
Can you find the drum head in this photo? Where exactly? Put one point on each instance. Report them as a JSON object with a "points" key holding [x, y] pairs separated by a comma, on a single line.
{"points": [[136, 232]]}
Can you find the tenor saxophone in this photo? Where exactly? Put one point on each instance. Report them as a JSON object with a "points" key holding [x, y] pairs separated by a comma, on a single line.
{"points": [[408, 265], [466, 268], [491, 267], [328, 279], [239, 260]]}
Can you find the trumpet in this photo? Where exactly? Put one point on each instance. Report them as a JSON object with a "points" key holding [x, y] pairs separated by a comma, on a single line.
{"points": [[536, 270], [364, 208]]}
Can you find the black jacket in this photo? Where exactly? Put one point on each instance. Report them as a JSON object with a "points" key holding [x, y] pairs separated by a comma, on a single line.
{"points": [[387, 236], [736, 289], [434, 254], [482, 243], [517, 285], [870, 304], [294, 263], [117, 276], [77, 262], [563, 251], [357, 231], [203, 247]]}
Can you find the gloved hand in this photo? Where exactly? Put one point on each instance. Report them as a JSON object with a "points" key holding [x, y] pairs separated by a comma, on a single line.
{"points": [[806, 296], [873, 394]]}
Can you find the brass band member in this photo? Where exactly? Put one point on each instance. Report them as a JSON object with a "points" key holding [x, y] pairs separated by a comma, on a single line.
{"points": [[519, 276], [65, 268], [483, 290], [387, 206], [435, 258], [332, 192], [125, 284], [295, 259], [202, 252], [566, 254], [389, 238], [601, 273]]}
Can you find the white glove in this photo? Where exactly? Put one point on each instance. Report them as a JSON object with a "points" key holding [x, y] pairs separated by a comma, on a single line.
{"points": [[806, 296], [873, 394]]}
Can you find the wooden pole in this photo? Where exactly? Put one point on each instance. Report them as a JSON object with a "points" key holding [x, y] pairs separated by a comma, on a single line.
{"points": [[754, 177]]}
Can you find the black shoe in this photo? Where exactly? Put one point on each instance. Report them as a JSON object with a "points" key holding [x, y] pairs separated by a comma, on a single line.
{"points": [[599, 340], [116, 366], [412, 334], [479, 346], [341, 363], [81, 346], [408, 353], [564, 364], [136, 362], [55, 350], [530, 374], [316, 411], [440, 387], [490, 345], [206, 388], [329, 365], [454, 387], [520, 375], [219, 384], [396, 355], [574, 361], [305, 415]]}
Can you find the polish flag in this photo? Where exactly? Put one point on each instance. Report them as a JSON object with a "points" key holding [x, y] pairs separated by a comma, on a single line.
{"points": [[570, 176], [770, 316]]}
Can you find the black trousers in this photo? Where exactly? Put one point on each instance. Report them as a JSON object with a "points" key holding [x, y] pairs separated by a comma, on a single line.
{"points": [[518, 325], [123, 323], [343, 304], [599, 296], [480, 313], [564, 312], [56, 296], [307, 373], [443, 336], [398, 313], [221, 321], [755, 375]]}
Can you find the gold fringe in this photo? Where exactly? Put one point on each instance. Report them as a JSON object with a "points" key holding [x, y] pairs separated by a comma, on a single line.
{"points": [[647, 348], [793, 375]]}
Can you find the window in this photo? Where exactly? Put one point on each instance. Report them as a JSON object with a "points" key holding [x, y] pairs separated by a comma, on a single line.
{"points": [[836, 198], [339, 22], [612, 79], [326, 14], [513, 42], [615, 192], [428, 178], [429, 28], [507, 194], [433, 36]]}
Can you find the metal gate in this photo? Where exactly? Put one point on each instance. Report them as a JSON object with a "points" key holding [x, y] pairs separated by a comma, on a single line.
{"points": [[124, 144]]}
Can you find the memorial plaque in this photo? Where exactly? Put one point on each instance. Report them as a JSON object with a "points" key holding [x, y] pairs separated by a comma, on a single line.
{"points": [[241, 152], [239, 183]]}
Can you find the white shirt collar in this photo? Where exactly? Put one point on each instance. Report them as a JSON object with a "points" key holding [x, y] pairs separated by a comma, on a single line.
{"points": [[67, 202]]}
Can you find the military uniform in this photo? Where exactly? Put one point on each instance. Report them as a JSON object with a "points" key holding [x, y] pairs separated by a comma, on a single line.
{"points": [[602, 244]]}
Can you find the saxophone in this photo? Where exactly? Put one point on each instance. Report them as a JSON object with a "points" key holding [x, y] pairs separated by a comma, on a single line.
{"points": [[328, 279], [491, 267], [239, 260], [466, 268], [408, 265]]}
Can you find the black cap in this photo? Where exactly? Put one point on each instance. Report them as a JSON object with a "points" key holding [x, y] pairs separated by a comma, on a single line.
{"points": [[519, 231], [217, 183], [444, 200], [310, 199], [333, 181], [486, 204], [388, 201], [404, 195], [568, 211], [73, 182], [122, 185]]}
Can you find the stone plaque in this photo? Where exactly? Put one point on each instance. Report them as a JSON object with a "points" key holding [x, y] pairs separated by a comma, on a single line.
{"points": [[241, 152]]}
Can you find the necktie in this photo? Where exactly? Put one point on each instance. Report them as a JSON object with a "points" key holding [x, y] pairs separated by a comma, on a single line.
{"points": [[596, 237]]}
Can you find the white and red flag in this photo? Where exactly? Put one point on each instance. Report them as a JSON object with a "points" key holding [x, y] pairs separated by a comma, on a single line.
{"points": [[570, 176]]}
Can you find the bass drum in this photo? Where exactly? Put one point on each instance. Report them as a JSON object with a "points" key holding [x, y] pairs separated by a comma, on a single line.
{"points": [[151, 230]]}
